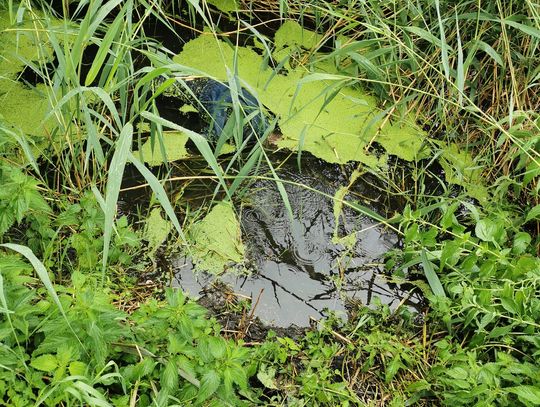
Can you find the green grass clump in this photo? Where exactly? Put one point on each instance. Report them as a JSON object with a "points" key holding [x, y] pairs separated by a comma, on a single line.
{"points": [[74, 328]]}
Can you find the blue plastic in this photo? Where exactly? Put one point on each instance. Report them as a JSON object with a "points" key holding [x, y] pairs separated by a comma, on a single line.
{"points": [[216, 98]]}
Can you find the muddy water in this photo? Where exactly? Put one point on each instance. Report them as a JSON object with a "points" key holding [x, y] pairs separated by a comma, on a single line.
{"points": [[298, 269]]}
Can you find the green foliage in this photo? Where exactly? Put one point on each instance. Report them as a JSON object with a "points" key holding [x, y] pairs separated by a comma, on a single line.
{"points": [[365, 360], [85, 222], [487, 277], [470, 69], [165, 351], [20, 200], [206, 365]]}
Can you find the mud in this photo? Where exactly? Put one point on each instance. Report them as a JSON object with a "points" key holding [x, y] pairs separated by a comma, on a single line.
{"points": [[297, 269]]}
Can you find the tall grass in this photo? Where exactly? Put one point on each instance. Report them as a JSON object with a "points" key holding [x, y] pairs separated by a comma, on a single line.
{"points": [[469, 69]]}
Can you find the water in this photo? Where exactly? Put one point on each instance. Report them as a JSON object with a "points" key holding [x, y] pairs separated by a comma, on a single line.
{"points": [[298, 271]]}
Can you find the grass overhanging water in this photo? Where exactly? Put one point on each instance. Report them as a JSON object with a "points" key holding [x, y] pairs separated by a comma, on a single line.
{"points": [[78, 101]]}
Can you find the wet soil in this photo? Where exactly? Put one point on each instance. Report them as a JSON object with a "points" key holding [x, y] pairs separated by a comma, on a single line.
{"points": [[296, 270], [236, 316]]}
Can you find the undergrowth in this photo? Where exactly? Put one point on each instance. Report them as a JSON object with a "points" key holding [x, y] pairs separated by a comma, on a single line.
{"points": [[69, 263]]}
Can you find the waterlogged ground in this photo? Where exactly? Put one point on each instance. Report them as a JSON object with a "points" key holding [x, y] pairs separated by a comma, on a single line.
{"points": [[298, 252], [295, 269], [295, 257]]}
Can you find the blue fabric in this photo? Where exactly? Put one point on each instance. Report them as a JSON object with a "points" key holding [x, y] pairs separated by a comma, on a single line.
{"points": [[217, 100]]}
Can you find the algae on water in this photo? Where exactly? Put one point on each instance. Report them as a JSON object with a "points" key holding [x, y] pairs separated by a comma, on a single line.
{"points": [[224, 5], [156, 231], [173, 143], [216, 240], [22, 107], [293, 34], [316, 111]]}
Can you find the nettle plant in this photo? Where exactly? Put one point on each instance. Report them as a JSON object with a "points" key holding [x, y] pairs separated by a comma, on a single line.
{"points": [[26, 217], [77, 347], [23, 206], [82, 226], [484, 276]]}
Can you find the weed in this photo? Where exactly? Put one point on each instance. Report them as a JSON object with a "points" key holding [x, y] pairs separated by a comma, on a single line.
{"points": [[467, 71]]}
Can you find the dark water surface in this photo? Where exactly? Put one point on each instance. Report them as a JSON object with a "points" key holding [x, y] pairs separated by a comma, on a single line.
{"points": [[298, 271]]}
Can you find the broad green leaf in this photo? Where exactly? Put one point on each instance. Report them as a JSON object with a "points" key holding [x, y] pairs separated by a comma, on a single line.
{"points": [[238, 375], [522, 240], [169, 377], [266, 376], [77, 368], [187, 371], [527, 394], [46, 363], [509, 305], [217, 346], [499, 331], [209, 384], [431, 276], [490, 230], [457, 373], [534, 213], [486, 319]]}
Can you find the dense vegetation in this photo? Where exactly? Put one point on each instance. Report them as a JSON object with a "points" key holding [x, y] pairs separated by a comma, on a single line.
{"points": [[77, 329]]}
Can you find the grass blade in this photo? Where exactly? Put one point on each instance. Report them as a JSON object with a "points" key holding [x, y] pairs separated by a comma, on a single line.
{"points": [[488, 49], [104, 47], [114, 181], [444, 45], [199, 141], [160, 193], [431, 276], [41, 272], [460, 76]]}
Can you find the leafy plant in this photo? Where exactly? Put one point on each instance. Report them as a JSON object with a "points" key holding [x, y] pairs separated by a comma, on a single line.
{"points": [[21, 200], [483, 275]]}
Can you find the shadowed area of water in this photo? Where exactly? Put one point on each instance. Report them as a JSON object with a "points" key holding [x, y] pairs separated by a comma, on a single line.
{"points": [[298, 270]]}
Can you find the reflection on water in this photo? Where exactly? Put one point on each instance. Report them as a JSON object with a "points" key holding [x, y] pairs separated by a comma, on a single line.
{"points": [[300, 271]]}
